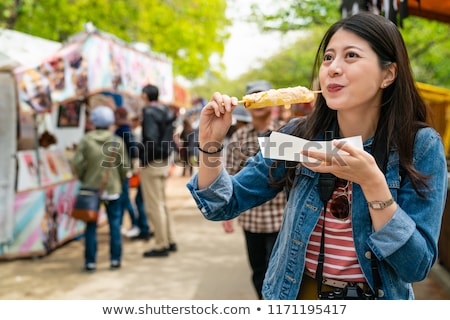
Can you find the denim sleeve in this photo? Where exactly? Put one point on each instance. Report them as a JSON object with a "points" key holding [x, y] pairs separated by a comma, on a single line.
{"points": [[214, 198], [228, 195], [408, 242]]}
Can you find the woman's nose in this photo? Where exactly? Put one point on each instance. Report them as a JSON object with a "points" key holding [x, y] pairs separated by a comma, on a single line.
{"points": [[334, 69]]}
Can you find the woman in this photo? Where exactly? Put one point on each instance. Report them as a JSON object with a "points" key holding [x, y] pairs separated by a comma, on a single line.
{"points": [[387, 216], [100, 154]]}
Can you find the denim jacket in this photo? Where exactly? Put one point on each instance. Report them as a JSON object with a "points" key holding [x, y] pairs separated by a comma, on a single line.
{"points": [[406, 247]]}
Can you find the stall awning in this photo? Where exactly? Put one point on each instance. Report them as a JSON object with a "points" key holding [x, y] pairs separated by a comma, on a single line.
{"points": [[430, 9], [433, 93], [438, 99], [24, 49]]}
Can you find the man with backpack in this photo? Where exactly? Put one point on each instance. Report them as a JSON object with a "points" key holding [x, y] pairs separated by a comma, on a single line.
{"points": [[155, 154]]}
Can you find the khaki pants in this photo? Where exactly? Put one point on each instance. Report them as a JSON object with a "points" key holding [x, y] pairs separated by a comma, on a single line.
{"points": [[153, 184]]}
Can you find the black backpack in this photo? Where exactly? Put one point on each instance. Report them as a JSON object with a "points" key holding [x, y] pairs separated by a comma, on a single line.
{"points": [[160, 144]]}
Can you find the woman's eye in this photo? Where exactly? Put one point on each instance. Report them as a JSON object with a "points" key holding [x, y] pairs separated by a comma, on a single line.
{"points": [[327, 57], [352, 55]]}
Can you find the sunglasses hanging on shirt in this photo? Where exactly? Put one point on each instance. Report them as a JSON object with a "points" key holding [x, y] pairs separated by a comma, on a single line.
{"points": [[340, 204]]}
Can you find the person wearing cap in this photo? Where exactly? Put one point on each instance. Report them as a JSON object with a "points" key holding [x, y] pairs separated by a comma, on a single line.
{"points": [[91, 162], [240, 118], [260, 224]]}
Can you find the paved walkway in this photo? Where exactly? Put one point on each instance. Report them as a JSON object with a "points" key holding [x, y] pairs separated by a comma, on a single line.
{"points": [[209, 264]]}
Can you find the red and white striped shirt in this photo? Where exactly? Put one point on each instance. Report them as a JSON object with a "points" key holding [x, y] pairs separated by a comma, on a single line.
{"points": [[340, 262]]}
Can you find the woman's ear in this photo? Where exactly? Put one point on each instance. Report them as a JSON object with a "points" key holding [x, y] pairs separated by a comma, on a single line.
{"points": [[390, 75]]}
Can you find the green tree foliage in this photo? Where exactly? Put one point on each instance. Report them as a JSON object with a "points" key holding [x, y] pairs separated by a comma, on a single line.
{"points": [[295, 14], [428, 45], [188, 32]]}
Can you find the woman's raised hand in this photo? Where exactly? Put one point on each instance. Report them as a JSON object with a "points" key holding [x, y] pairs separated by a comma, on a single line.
{"points": [[215, 118]]}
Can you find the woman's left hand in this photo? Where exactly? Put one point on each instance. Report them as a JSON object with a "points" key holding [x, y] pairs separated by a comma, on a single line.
{"points": [[346, 162]]}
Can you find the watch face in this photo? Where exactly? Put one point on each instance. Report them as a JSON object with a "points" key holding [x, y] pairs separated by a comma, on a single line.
{"points": [[381, 204]]}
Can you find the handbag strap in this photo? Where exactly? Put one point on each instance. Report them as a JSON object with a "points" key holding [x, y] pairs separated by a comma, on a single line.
{"points": [[105, 175]]}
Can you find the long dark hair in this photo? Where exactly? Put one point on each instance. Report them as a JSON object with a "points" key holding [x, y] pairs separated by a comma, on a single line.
{"points": [[400, 98]]}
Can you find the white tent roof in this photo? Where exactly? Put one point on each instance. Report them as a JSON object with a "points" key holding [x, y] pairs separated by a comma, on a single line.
{"points": [[21, 49], [6, 63]]}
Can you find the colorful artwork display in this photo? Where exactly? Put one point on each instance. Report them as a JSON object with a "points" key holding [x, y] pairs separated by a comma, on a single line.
{"points": [[29, 210], [53, 167], [96, 63], [43, 221], [58, 167]]}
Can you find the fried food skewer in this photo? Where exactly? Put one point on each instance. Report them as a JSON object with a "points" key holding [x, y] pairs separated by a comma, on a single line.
{"points": [[276, 97]]}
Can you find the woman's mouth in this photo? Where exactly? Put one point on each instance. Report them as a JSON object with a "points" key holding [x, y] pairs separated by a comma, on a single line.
{"points": [[334, 87]]}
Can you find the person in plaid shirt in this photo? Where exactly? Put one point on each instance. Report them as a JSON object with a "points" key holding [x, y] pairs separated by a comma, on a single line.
{"points": [[260, 224]]}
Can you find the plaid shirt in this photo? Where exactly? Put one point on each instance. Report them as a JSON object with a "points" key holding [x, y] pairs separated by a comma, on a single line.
{"points": [[267, 217]]}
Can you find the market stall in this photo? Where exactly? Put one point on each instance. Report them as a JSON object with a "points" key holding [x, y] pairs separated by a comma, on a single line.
{"points": [[439, 100], [47, 106], [36, 183]]}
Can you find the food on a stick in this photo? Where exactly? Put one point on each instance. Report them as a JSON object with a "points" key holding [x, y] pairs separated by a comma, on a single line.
{"points": [[276, 97]]}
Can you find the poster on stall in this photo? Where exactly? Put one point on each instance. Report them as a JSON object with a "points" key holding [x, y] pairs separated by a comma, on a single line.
{"points": [[53, 168], [61, 163], [56, 165], [28, 170], [33, 90], [69, 114]]}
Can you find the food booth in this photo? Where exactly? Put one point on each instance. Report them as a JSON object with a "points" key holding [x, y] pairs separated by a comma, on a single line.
{"points": [[439, 101], [45, 108]]}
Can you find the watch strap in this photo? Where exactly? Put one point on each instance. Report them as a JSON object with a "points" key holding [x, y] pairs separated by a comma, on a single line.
{"points": [[379, 205]]}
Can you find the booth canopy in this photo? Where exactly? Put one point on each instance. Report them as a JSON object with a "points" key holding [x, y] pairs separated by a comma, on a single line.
{"points": [[430, 9], [7, 63], [21, 49]]}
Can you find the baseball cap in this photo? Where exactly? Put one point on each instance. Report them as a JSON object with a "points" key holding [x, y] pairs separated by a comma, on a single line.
{"points": [[241, 114], [257, 86], [102, 117]]}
